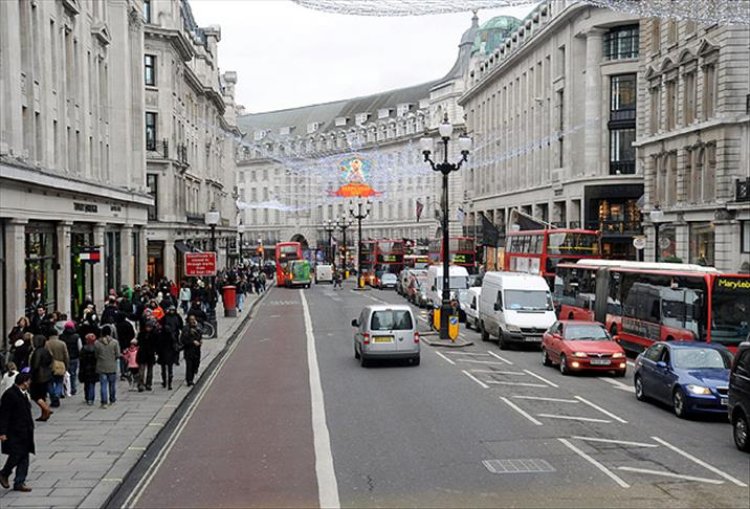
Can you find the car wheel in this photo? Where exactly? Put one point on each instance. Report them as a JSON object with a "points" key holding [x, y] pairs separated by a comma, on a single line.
{"points": [[485, 334], [415, 361], [564, 365], [356, 352], [680, 404], [741, 433], [545, 358], [501, 341], [639, 394]]}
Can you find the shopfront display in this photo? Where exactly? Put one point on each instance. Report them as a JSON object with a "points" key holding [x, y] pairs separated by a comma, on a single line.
{"points": [[41, 264], [702, 250]]}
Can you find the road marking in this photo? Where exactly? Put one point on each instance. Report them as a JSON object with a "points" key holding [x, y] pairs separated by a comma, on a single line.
{"points": [[572, 418], [484, 385], [630, 363], [520, 411], [477, 361], [597, 407], [471, 353], [608, 441], [556, 400], [446, 358], [700, 462], [274, 316], [328, 490], [598, 465], [542, 379], [498, 372], [670, 474], [496, 356], [517, 384], [618, 384], [264, 340]]}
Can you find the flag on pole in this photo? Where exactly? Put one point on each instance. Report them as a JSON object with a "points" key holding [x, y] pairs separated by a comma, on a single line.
{"points": [[420, 208], [460, 214], [490, 235]]}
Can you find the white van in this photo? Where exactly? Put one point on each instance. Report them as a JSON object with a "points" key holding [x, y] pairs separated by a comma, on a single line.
{"points": [[323, 273], [470, 306], [515, 307], [459, 280]]}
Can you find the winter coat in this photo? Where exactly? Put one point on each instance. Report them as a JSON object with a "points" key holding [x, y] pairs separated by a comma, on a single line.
{"points": [[185, 294], [130, 355], [87, 365], [58, 350], [21, 355], [17, 333], [8, 381], [41, 366], [73, 341], [189, 336], [125, 332], [16, 422], [169, 338], [109, 315], [107, 352], [147, 341]]}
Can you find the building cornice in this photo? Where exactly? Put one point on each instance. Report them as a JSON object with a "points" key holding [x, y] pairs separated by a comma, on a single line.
{"points": [[178, 39], [697, 128]]}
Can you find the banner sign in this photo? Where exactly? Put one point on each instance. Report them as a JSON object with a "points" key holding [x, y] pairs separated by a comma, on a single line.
{"points": [[200, 264], [90, 255]]}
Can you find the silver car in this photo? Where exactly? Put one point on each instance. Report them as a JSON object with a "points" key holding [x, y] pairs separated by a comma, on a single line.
{"points": [[386, 332]]}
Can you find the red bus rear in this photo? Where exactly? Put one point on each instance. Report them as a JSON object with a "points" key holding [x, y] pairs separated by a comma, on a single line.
{"points": [[389, 257], [367, 260], [462, 252], [285, 253]]}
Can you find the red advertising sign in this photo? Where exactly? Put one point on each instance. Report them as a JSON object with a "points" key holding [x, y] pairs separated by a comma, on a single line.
{"points": [[200, 264]]}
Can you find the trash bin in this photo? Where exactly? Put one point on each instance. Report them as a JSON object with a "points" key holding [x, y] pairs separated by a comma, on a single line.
{"points": [[229, 298]]}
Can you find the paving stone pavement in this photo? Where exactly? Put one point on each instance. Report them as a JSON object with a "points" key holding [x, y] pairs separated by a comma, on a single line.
{"points": [[84, 452]]}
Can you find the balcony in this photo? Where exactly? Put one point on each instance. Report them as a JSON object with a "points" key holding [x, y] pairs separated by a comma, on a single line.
{"points": [[622, 167], [616, 227], [742, 190], [625, 116]]}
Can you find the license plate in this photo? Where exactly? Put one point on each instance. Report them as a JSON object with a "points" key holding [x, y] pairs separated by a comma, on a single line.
{"points": [[533, 339], [724, 401], [600, 362], [383, 339]]}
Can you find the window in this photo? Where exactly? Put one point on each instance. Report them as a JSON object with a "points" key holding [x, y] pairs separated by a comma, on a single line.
{"points": [[655, 113], [623, 92], [671, 104], [709, 89], [702, 244], [147, 11], [745, 233], [621, 43], [153, 190], [149, 62], [689, 99], [150, 131], [621, 151]]}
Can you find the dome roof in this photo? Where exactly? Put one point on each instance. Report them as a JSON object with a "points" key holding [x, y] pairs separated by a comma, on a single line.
{"points": [[492, 34]]}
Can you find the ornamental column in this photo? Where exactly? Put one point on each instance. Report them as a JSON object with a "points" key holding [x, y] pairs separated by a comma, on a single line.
{"points": [[99, 287], [127, 269], [64, 280], [593, 103]]}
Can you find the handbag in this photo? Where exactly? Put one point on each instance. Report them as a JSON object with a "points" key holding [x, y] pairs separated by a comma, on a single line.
{"points": [[58, 368]]}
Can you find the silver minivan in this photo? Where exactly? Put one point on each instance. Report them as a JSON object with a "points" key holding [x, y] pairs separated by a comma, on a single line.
{"points": [[386, 331]]}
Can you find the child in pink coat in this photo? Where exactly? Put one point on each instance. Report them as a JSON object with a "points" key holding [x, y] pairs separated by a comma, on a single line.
{"points": [[130, 354]]}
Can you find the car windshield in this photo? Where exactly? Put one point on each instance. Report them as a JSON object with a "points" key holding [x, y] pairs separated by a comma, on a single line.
{"points": [[700, 358], [730, 313], [391, 278], [456, 282], [586, 333], [391, 320], [528, 300]]}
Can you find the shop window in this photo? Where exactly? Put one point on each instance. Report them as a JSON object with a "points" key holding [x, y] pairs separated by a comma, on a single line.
{"points": [[702, 242], [112, 253], [40, 261]]}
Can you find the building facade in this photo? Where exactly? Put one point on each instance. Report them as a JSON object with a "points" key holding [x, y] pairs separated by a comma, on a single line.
{"points": [[72, 165], [694, 141], [191, 137], [553, 114]]}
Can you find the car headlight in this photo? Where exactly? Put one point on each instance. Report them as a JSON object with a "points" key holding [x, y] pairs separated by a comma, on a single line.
{"points": [[580, 354], [618, 355], [514, 328], [698, 389]]}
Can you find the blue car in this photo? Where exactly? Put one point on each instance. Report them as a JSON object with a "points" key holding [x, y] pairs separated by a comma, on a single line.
{"points": [[691, 376]]}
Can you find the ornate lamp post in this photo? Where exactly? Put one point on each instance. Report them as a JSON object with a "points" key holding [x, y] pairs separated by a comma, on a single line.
{"points": [[329, 228], [212, 219], [445, 168], [241, 231], [344, 224], [360, 212], [657, 217]]}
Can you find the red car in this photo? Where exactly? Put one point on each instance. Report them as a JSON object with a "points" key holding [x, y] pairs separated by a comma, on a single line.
{"points": [[577, 345]]}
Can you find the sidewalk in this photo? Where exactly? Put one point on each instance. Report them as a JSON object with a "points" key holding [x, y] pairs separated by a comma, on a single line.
{"points": [[84, 452]]}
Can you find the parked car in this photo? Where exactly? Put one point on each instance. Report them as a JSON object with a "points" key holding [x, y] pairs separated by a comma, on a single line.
{"points": [[470, 307], [416, 292], [691, 376], [386, 332], [582, 346], [739, 397], [387, 280]]}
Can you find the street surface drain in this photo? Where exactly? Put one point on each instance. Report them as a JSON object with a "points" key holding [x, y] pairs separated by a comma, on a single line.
{"points": [[518, 466]]}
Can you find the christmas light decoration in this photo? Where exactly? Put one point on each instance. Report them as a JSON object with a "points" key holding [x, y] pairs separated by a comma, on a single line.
{"points": [[702, 11]]}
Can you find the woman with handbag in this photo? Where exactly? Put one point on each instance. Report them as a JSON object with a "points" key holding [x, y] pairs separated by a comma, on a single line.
{"points": [[41, 375]]}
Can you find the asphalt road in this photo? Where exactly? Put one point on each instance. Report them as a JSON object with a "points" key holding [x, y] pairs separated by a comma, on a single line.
{"points": [[476, 427]]}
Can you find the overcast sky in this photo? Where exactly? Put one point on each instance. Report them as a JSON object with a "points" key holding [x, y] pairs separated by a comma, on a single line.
{"points": [[287, 56]]}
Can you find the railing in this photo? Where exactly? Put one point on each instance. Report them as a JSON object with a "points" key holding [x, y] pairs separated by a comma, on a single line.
{"points": [[616, 227], [622, 115], [622, 167], [742, 190]]}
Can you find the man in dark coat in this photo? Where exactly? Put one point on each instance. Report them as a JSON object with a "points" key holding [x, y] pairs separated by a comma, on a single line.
{"points": [[191, 344], [16, 433], [168, 345]]}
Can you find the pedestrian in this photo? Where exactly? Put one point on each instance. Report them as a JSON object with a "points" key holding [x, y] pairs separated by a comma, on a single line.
{"points": [[41, 375], [38, 320], [125, 334], [147, 339], [87, 368], [60, 362], [22, 327], [241, 289], [130, 355], [167, 346], [107, 354], [191, 344], [110, 312], [262, 279], [89, 322], [185, 296], [22, 349], [16, 433], [9, 378], [73, 343]]}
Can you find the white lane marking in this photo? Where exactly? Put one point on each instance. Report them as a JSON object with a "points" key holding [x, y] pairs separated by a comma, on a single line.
{"points": [[446, 358], [602, 410], [542, 379], [478, 362], [598, 465], [630, 363], [264, 340], [484, 385], [498, 372], [700, 462], [670, 474], [328, 490], [618, 384], [556, 400], [517, 384], [274, 316], [608, 441], [520, 411], [496, 356], [476, 354], [572, 418]]}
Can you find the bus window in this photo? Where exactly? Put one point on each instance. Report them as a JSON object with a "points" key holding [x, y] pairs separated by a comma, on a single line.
{"points": [[730, 313]]}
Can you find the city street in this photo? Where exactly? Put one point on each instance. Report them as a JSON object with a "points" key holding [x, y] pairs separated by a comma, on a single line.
{"points": [[472, 427]]}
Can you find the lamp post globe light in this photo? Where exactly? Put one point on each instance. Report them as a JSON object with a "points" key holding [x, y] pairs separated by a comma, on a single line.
{"points": [[329, 228], [344, 223], [657, 217], [445, 168], [360, 212]]}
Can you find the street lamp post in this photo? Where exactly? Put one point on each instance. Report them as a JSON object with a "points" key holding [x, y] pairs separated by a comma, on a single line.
{"points": [[657, 217], [329, 228], [445, 168], [359, 216], [212, 219], [344, 224], [241, 231]]}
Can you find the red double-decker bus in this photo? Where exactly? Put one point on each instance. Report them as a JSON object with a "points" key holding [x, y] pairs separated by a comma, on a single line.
{"points": [[389, 257], [367, 259], [644, 302], [540, 251], [285, 253], [462, 250]]}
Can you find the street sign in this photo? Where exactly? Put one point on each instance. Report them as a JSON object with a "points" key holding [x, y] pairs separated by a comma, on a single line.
{"points": [[639, 242], [90, 255], [200, 264]]}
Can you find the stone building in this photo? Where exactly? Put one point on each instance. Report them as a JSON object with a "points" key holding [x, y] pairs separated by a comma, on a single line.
{"points": [[288, 170], [191, 136], [72, 163], [694, 140], [552, 110]]}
